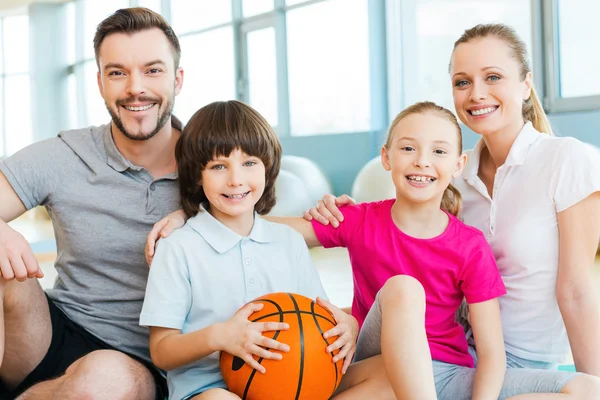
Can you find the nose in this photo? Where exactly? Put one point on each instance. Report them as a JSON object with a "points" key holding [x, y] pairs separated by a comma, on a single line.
{"points": [[479, 91], [136, 84], [422, 160], [234, 177]]}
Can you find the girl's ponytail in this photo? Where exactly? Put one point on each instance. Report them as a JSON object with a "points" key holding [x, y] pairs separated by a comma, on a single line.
{"points": [[452, 200]]}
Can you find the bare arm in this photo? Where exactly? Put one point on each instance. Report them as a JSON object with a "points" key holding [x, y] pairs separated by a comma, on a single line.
{"points": [[491, 356], [301, 225], [579, 232], [11, 205], [16, 257], [171, 349]]}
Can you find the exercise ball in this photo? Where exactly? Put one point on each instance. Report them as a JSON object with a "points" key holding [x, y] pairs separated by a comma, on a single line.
{"points": [[317, 184], [306, 372], [292, 196], [373, 183]]}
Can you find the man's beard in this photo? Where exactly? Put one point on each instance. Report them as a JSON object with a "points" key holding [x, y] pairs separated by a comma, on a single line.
{"points": [[162, 118]]}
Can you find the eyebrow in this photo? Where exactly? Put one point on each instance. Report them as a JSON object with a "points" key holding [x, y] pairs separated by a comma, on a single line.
{"points": [[121, 66], [414, 140], [483, 69]]}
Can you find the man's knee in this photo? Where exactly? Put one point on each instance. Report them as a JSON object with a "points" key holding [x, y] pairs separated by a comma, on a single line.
{"points": [[108, 371], [583, 387], [18, 296], [403, 289]]}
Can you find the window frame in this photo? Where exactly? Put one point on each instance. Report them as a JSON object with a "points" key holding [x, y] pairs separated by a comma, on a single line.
{"points": [[3, 77], [553, 102], [275, 18]]}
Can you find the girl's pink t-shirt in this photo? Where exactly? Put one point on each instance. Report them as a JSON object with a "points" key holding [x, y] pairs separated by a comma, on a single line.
{"points": [[458, 263]]}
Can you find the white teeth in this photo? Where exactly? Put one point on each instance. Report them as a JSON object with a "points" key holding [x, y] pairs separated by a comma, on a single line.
{"points": [[144, 108], [420, 178], [483, 111], [236, 196]]}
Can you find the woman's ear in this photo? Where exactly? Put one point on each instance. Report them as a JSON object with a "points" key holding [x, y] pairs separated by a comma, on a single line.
{"points": [[528, 85]]}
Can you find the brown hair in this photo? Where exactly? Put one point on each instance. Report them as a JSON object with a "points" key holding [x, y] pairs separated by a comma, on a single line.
{"points": [[132, 20], [532, 107], [216, 130], [451, 199]]}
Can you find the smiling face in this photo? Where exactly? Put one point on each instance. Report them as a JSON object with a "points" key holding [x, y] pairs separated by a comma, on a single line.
{"points": [[138, 82], [423, 156], [233, 185], [488, 86]]}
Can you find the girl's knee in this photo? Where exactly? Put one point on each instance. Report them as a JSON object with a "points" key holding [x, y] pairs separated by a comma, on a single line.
{"points": [[583, 386], [402, 288], [216, 394]]}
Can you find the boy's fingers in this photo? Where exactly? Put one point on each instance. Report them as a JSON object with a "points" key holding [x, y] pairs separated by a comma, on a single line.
{"points": [[266, 354], [274, 344], [273, 326], [248, 359]]}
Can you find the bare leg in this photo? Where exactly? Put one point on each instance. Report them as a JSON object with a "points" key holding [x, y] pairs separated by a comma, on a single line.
{"points": [[102, 374], [25, 329], [216, 394], [365, 379], [395, 328]]}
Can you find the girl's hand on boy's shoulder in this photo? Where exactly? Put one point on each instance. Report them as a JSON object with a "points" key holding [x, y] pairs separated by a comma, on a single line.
{"points": [[327, 210], [346, 330], [162, 229], [245, 339]]}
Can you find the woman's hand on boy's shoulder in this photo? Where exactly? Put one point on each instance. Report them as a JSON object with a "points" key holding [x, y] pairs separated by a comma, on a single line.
{"points": [[162, 229], [244, 339], [346, 330], [327, 210]]}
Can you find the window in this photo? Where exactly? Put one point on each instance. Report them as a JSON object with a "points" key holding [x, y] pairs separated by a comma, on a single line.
{"points": [[430, 30], [571, 65], [304, 81], [209, 75], [15, 97], [328, 67]]}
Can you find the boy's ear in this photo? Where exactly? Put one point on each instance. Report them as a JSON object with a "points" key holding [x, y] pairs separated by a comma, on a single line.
{"points": [[460, 165]]}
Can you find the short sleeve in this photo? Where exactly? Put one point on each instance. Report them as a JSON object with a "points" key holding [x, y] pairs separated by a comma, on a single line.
{"points": [[35, 171], [342, 235], [168, 292], [577, 173], [480, 279]]}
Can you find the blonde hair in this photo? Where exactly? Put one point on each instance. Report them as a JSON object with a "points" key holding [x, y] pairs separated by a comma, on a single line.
{"points": [[451, 199], [532, 107]]}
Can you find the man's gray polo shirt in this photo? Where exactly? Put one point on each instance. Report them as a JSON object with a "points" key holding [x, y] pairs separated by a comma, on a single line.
{"points": [[102, 208]]}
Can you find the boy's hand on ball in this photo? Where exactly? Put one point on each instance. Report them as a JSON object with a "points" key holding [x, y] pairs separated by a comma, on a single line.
{"points": [[245, 339], [346, 330]]}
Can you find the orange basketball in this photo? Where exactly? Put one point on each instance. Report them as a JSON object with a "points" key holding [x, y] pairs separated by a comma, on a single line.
{"points": [[306, 372]]}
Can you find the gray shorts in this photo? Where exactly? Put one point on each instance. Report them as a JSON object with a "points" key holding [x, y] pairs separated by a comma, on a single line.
{"points": [[455, 382]]}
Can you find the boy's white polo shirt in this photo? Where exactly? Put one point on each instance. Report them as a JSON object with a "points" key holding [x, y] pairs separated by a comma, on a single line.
{"points": [[204, 272], [542, 176]]}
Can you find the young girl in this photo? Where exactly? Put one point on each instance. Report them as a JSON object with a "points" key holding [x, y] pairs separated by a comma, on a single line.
{"points": [[537, 200], [409, 244], [228, 159]]}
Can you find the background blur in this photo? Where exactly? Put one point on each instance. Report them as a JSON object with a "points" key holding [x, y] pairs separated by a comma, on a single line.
{"points": [[329, 75]]}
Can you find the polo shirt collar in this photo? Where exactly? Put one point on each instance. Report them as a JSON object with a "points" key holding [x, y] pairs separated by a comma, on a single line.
{"points": [[516, 155], [114, 158], [221, 238]]}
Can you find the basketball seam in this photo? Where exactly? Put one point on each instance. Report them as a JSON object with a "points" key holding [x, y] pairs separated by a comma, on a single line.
{"points": [[312, 307], [261, 358], [301, 328]]}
